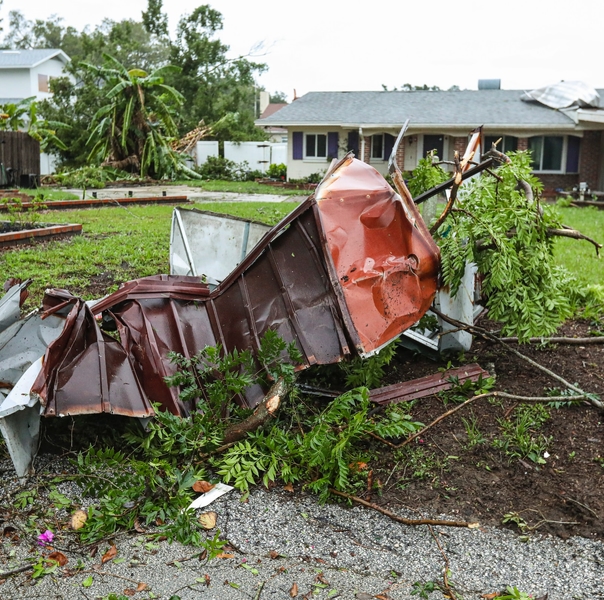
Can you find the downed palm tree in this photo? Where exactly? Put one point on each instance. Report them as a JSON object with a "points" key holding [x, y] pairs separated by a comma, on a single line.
{"points": [[134, 130]]}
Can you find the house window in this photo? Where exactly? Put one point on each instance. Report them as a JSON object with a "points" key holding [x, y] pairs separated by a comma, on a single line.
{"points": [[316, 145], [43, 83], [508, 143], [377, 146], [547, 152], [436, 143]]}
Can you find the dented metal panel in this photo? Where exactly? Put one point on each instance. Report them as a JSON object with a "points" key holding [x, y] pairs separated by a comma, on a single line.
{"points": [[384, 258], [85, 371], [426, 386]]}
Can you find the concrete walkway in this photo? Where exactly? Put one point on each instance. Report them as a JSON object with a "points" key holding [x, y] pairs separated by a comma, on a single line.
{"points": [[194, 194]]}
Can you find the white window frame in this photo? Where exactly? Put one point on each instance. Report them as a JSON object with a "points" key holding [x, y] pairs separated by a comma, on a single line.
{"points": [[562, 159], [315, 156]]}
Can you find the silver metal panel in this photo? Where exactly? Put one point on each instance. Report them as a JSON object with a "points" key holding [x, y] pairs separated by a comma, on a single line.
{"points": [[210, 245]]}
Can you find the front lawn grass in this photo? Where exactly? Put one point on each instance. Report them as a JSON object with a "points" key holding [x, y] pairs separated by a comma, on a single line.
{"points": [[117, 244], [579, 257]]}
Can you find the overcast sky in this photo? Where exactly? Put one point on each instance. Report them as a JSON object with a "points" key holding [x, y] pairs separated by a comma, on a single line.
{"points": [[318, 45]]}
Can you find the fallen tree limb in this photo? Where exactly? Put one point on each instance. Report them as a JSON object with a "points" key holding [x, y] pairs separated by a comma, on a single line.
{"points": [[457, 181], [525, 399], [447, 569], [264, 412], [402, 520], [557, 340], [475, 330], [16, 571], [576, 235]]}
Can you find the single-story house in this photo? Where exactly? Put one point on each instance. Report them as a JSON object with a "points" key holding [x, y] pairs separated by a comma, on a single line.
{"points": [[567, 141]]}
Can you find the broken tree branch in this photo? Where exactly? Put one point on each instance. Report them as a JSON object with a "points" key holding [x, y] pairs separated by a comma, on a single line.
{"points": [[557, 340], [16, 571], [475, 330], [457, 180], [402, 520], [576, 235], [446, 570], [264, 411]]}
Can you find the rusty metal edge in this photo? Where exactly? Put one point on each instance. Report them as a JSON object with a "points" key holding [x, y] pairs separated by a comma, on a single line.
{"points": [[425, 386]]}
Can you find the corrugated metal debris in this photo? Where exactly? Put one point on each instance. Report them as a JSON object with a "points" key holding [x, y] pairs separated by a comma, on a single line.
{"points": [[348, 271]]}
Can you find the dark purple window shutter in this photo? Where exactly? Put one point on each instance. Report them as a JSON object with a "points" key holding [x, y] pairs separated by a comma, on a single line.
{"points": [[332, 144], [298, 145], [388, 145], [353, 142], [572, 154]]}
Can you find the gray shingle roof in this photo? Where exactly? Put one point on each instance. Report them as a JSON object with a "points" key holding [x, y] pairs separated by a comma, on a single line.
{"points": [[23, 59], [462, 108]]}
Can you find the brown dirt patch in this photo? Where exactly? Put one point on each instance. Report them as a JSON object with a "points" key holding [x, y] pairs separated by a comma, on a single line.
{"points": [[562, 496]]}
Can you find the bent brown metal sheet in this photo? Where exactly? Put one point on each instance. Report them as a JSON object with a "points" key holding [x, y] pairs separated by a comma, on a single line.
{"points": [[85, 371], [347, 271]]}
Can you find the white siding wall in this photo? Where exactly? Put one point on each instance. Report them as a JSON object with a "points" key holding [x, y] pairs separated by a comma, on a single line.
{"points": [[51, 68], [15, 83]]}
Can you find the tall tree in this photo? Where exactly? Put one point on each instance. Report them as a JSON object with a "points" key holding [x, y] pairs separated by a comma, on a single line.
{"points": [[215, 86], [154, 20]]}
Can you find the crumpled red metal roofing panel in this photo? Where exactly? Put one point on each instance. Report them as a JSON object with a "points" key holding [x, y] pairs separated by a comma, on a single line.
{"points": [[384, 257], [355, 267]]}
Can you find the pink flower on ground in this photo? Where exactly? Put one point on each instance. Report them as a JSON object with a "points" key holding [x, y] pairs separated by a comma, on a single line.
{"points": [[46, 538]]}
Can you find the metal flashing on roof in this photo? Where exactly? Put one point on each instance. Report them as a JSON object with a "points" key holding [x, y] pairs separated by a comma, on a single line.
{"points": [[564, 95]]}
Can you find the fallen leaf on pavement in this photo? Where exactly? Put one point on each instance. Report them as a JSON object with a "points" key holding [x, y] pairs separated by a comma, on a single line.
{"points": [[208, 520], [288, 488], [59, 557], [109, 555], [138, 527], [225, 555], [202, 487], [490, 596], [294, 590], [141, 587], [129, 592]]}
